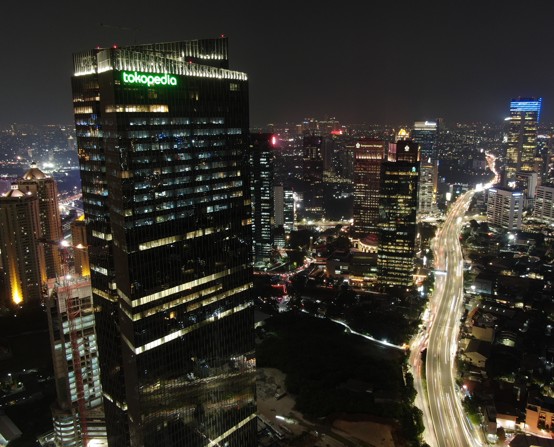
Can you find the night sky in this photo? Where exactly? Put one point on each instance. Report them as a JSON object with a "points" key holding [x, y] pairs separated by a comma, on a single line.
{"points": [[359, 61]]}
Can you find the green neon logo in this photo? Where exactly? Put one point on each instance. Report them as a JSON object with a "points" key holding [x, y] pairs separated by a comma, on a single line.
{"points": [[148, 79]]}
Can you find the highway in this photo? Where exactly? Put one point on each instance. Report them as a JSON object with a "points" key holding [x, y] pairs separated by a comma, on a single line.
{"points": [[445, 420]]}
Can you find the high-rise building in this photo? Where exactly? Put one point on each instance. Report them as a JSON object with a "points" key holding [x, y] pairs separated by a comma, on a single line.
{"points": [[544, 204], [283, 197], [313, 176], [80, 246], [522, 135], [46, 190], [549, 168], [527, 181], [368, 156], [261, 178], [397, 215], [505, 207], [162, 135], [22, 254], [425, 134], [542, 159], [283, 200], [78, 412], [343, 160], [289, 213], [328, 149]]}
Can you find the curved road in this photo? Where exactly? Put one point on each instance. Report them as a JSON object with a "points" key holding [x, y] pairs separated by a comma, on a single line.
{"points": [[447, 425]]}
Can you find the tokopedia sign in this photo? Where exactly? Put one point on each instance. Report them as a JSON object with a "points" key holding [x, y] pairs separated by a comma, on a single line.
{"points": [[148, 79]]}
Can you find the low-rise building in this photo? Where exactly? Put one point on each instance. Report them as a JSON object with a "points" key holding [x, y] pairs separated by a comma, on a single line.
{"points": [[477, 352], [483, 326], [539, 414]]}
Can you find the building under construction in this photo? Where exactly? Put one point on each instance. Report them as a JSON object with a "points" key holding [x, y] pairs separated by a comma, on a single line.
{"points": [[78, 413]]}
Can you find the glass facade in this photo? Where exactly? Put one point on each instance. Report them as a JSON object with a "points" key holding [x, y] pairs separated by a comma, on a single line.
{"points": [[368, 157], [261, 168], [522, 136], [312, 164], [425, 134], [168, 216], [397, 215], [288, 209]]}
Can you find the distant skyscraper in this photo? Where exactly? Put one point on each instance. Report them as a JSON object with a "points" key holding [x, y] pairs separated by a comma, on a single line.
{"points": [[283, 197], [46, 190], [289, 214], [505, 208], [368, 158], [522, 136], [279, 205], [425, 134], [344, 160], [261, 178], [283, 200], [328, 148], [397, 215], [313, 176], [22, 255], [542, 160], [162, 134], [78, 412]]}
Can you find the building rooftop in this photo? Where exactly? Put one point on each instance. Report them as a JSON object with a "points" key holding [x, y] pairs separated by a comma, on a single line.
{"points": [[531, 441], [34, 173], [480, 347]]}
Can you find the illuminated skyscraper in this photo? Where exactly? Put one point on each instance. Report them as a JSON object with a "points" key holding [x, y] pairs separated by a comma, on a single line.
{"points": [[162, 135], [397, 215], [425, 134], [283, 199], [313, 176], [261, 178], [22, 255], [289, 214], [522, 136], [46, 190], [368, 158]]}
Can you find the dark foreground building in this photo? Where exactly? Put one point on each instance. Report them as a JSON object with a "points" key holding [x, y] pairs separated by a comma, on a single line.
{"points": [[162, 135]]}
